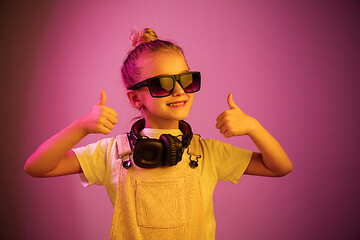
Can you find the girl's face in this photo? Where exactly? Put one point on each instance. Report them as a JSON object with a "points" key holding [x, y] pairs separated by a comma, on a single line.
{"points": [[162, 112]]}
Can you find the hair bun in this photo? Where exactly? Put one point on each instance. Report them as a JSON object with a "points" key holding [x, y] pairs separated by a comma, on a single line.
{"points": [[144, 36]]}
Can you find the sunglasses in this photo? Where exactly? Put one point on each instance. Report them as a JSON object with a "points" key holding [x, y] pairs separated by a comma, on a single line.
{"points": [[164, 85]]}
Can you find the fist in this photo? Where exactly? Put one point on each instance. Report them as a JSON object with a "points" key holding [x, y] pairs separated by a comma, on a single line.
{"points": [[234, 122], [101, 119]]}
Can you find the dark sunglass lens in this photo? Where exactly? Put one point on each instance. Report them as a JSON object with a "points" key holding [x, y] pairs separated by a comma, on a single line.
{"points": [[161, 86], [190, 82]]}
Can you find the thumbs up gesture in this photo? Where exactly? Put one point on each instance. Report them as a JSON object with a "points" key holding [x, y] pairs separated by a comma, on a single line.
{"points": [[234, 122], [101, 119]]}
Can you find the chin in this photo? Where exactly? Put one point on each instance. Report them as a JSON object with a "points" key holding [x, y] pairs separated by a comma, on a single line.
{"points": [[182, 116]]}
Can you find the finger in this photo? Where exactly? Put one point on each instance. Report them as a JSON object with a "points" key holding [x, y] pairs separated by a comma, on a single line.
{"points": [[102, 100], [110, 111], [104, 130], [112, 119], [218, 125], [227, 134], [220, 117], [219, 122], [108, 125], [223, 129], [231, 102]]}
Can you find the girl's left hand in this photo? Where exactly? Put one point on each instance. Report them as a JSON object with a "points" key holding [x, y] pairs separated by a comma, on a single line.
{"points": [[234, 122]]}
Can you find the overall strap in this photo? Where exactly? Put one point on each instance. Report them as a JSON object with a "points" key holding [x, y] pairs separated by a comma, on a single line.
{"points": [[195, 147], [123, 146], [194, 150]]}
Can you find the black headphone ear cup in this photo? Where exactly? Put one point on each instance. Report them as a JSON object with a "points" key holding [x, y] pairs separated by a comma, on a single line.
{"points": [[148, 153], [173, 149]]}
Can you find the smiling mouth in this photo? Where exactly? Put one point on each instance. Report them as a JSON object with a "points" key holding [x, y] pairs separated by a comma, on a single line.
{"points": [[177, 104]]}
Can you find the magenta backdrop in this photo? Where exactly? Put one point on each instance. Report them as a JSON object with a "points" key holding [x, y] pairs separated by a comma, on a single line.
{"points": [[293, 65]]}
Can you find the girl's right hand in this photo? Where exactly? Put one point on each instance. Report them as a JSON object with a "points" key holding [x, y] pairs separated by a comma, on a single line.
{"points": [[101, 119], [55, 158]]}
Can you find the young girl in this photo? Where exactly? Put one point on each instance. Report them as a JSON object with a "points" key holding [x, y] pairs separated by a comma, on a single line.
{"points": [[160, 177]]}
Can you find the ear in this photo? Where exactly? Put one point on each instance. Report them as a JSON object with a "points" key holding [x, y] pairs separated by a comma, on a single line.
{"points": [[133, 98]]}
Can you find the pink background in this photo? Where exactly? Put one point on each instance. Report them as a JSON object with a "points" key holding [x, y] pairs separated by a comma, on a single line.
{"points": [[293, 65]]}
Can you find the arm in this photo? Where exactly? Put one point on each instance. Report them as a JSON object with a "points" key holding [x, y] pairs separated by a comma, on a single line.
{"points": [[55, 157], [272, 159]]}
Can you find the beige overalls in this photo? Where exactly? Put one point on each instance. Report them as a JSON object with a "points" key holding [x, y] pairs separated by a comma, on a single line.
{"points": [[160, 203]]}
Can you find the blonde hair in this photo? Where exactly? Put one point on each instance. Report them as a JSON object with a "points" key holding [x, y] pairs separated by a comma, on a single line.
{"points": [[144, 36], [144, 42]]}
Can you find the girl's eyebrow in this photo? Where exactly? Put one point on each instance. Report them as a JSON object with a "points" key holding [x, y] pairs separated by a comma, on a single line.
{"points": [[185, 71]]}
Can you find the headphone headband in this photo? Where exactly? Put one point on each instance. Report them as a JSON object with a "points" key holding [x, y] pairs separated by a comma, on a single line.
{"points": [[140, 125]]}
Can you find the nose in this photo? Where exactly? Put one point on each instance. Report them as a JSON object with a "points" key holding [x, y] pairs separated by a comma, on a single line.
{"points": [[178, 90]]}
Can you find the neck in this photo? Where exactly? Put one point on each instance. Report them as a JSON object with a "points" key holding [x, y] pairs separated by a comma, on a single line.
{"points": [[162, 124]]}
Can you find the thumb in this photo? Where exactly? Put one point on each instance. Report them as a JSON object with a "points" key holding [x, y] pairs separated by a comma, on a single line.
{"points": [[102, 99], [231, 102]]}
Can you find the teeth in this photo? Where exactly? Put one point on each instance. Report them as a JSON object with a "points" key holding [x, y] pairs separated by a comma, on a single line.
{"points": [[176, 104]]}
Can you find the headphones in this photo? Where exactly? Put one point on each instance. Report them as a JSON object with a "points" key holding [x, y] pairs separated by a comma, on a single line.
{"points": [[152, 153]]}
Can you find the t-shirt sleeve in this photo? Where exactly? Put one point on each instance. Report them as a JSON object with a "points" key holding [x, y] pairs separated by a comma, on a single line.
{"points": [[229, 162], [92, 159]]}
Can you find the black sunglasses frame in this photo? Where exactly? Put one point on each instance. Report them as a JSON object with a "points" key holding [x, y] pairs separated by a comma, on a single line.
{"points": [[176, 77]]}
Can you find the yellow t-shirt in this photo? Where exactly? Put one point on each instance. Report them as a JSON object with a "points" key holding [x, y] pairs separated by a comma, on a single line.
{"points": [[167, 202]]}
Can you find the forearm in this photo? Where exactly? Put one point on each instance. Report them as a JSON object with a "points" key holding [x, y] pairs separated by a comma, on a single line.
{"points": [[273, 155], [49, 154]]}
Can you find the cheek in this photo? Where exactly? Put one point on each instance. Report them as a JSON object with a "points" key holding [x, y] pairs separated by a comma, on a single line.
{"points": [[191, 98], [144, 95], [151, 103]]}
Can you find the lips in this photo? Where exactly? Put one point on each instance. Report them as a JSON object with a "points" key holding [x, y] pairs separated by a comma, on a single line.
{"points": [[177, 104]]}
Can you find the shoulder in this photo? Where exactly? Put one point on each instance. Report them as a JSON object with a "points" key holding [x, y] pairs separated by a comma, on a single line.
{"points": [[212, 147], [211, 143], [221, 149]]}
